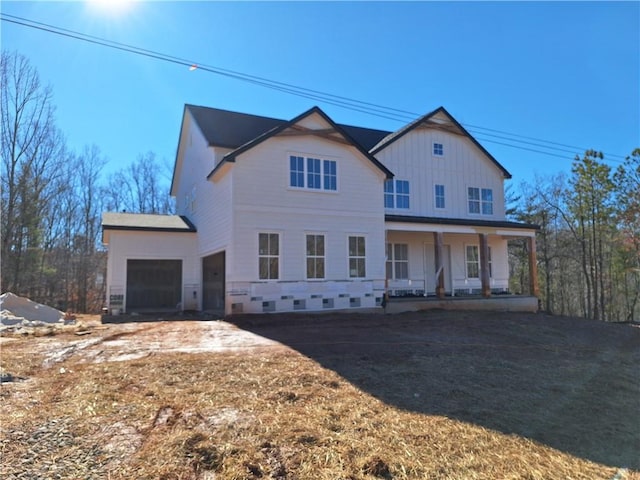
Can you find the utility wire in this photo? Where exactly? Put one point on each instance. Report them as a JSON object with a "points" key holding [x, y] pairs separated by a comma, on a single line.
{"points": [[374, 109]]}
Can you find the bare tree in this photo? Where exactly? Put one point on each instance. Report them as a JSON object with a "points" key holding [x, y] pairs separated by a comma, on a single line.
{"points": [[32, 152], [141, 187]]}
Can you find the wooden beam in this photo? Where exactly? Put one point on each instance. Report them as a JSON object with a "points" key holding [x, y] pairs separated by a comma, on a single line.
{"points": [[484, 265], [447, 127], [326, 133], [437, 237]]}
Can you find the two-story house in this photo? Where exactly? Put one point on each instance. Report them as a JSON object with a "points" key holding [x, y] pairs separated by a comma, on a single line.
{"points": [[310, 215]]}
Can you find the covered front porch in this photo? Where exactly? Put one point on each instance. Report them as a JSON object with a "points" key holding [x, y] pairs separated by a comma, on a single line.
{"points": [[454, 259]]}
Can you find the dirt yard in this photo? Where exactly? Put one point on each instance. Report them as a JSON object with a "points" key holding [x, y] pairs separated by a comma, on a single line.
{"points": [[438, 395]]}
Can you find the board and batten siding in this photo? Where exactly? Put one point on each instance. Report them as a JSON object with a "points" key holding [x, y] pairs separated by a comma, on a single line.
{"points": [[463, 165]]}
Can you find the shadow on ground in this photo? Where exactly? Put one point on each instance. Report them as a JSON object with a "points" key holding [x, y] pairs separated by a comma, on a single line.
{"points": [[571, 384]]}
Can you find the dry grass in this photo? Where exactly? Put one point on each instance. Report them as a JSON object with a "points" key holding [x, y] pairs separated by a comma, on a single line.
{"points": [[276, 413]]}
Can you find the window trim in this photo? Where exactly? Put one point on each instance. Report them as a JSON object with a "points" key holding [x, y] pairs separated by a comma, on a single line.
{"points": [[393, 194], [436, 196], [323, 256], [434, 149], [466, 261], [481, 203], [325, 178], [269, 256], [356, 257], [390, 247]]}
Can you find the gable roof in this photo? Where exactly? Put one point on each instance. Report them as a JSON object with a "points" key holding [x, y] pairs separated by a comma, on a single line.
{"points": [[389, 139], [276, 129], [223, 128]]}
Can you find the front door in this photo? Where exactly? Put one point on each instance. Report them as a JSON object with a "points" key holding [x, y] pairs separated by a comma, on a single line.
{"points": [[213, 272]]}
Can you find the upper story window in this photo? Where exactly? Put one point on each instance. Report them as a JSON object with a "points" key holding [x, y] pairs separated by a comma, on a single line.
{"points": [[439, 196], [438, 149], [480, 200], [313, 173], [396, 194]]}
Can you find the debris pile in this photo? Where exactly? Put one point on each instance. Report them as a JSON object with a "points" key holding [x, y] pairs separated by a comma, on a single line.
{"points": [[20, 311]]}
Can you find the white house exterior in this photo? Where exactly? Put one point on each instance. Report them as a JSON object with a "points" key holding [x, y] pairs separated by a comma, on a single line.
{"points": [[308, 215]]}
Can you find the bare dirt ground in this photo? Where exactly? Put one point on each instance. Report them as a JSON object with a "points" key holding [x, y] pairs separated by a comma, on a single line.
{"points": [[425, 395]]}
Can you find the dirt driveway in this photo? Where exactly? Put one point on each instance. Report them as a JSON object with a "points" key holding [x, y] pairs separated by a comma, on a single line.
{"points": [[95, 343]]}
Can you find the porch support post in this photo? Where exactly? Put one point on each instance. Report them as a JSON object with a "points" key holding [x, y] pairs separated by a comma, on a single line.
{"points": [[533, 267], [484, 265], [437, 240]]}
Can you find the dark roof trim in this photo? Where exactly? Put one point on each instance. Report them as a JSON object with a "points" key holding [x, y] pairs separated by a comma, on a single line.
{"points": [[407, 128], [189, 227], [231, 156], [461, 221]]}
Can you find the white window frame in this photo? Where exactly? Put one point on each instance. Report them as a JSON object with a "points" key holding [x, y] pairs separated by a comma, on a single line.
{"points": [[393, 262], [477, 262], [392, 193], [485, 207], [325, 173], [269, 256], [437, 149], [315, 256], [361, 259], [436, 196]]}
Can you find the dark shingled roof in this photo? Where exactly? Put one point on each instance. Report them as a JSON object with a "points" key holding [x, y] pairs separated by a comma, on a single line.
{"points": [[145, 221], [223, 128], [231, 156]]}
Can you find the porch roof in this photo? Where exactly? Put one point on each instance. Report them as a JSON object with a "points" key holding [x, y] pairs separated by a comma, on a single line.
{"points": [[502, 227]]}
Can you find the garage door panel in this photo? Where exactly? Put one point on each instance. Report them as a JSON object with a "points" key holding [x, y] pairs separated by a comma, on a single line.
{"points": [[154, 284]]}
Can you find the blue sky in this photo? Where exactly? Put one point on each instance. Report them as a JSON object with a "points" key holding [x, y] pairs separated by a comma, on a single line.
{"points": [[559, 72]]}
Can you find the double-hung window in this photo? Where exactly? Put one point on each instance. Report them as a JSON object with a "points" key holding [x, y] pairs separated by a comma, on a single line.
{"points": [[397, 261], [357, 257], [268, 256], [313, 173], [396, 194], [439, 195], [315, 256], [473, 261], [480, 200]]}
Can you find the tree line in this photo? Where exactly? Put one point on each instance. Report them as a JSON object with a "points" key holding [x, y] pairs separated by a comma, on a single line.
{"points": [[588, 245], [53, 197]]}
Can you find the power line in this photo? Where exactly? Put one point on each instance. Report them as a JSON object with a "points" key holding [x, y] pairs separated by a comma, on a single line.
{"points": [[368, 108]]}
